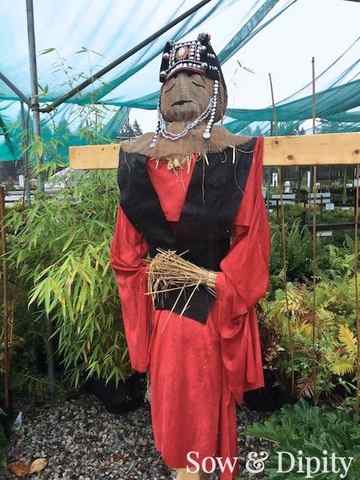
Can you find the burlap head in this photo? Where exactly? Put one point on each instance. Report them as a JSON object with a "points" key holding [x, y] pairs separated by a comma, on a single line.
{"points": [[186, 95], [188, 73]]}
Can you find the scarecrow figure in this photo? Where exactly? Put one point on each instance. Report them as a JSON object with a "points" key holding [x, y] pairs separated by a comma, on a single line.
{"points": [[190, 254]]}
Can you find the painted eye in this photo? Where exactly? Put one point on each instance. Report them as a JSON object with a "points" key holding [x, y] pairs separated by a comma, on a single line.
{"points": [[197, 84]]}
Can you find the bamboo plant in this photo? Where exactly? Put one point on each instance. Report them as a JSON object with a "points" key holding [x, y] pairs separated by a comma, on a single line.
{"points": [[60, 251]]}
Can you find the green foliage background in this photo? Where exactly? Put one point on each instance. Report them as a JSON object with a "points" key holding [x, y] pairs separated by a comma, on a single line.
{"points": [[311, 430], [60, 253]]}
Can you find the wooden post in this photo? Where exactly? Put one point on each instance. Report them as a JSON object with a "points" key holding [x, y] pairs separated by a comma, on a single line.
{"points": [[5, 301], [356, 267]]}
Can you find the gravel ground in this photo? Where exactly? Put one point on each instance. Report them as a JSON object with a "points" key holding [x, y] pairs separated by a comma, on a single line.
{"points": [[83, 441]]}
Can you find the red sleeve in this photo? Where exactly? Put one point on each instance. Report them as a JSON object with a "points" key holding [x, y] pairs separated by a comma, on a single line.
{"points": [[128, 249], [241, 282]]}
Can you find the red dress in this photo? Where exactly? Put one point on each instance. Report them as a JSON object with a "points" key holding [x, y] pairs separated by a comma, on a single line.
{"points": [[197, 372]]}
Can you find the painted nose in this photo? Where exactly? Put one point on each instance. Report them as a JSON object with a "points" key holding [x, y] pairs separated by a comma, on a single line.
{"points": [[182, 83]]}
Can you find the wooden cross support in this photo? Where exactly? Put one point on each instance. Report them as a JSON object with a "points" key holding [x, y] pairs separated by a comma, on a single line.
{"points": [[324, 149]]}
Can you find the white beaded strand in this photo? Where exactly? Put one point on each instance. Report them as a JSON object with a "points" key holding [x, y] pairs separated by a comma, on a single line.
{"points": [[210, 113], [207, 131]]}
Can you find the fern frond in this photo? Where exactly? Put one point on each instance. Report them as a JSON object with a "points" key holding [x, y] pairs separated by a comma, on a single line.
{"points": [[342, 366], [347, 338]]}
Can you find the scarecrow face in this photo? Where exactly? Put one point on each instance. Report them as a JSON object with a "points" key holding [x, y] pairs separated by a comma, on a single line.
{"points": [[185, 96]]}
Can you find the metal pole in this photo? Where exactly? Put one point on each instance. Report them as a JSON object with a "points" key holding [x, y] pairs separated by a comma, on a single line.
{"points": [[273, 121], [121, 59], [313, 96], [315, 332], [15, 89], [37, 137], [34, 81], [25, 145]]}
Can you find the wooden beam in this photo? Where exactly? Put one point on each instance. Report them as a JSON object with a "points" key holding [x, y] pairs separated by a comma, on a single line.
{"points": [[92, 157], [325, 149]]}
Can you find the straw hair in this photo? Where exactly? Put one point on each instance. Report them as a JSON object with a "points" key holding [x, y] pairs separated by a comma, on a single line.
{"points": [[169, 271]]}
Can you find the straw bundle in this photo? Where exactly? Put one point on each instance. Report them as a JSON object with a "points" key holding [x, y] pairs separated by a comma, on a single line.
{"points": [[169, 271]]}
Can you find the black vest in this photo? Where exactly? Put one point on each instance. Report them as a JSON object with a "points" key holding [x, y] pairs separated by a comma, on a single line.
{"points": [[204, 228]]}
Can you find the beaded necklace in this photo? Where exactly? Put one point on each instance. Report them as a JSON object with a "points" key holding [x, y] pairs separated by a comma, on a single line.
{"points": [[209, 112]]}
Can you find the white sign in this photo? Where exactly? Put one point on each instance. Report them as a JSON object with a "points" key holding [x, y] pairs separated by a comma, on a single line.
{"points": [[329, 206]]}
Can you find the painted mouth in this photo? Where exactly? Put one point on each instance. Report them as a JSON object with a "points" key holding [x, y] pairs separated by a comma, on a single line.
{"points": [[181, 102]]}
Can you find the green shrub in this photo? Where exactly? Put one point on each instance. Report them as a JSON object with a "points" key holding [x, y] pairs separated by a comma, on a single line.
{"points": [[318, 367], [334, 254], [298, 248], [59, 249], [311, 430]]}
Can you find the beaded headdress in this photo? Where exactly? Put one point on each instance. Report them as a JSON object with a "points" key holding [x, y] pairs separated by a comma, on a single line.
{"points": [[196, 56]]}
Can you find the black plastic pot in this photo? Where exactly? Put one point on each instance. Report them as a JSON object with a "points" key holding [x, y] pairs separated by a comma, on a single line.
{"points": [[127, 396], [270, 398]]}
